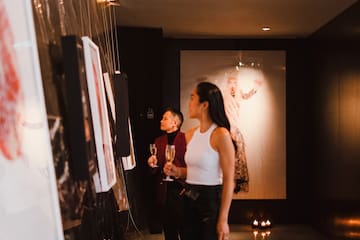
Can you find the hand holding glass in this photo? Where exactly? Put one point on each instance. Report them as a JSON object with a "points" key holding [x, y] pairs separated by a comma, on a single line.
{"points": [[169, 156], [153, 151]]}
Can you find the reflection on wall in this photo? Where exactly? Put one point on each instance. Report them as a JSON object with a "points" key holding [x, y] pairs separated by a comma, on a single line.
{"points": [[339, 131], [253, 87]]}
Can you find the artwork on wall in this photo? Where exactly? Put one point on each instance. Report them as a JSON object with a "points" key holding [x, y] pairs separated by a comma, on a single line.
{"points": [[71, 192], [29, 206], [100, 119], [78, 114], [253, 87], [110, 95], [129, 162], [119, 188]]}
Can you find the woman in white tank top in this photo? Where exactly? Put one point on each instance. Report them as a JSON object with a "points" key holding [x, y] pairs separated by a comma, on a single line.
{"points": [[210, 159]]}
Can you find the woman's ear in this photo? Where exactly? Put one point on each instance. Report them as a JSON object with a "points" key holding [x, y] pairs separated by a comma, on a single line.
{"points": [[205, 105]]}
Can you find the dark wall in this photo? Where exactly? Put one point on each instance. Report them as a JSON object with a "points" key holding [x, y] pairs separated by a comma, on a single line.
{"points": [[335, 110], [140, 58], [344, 26]]}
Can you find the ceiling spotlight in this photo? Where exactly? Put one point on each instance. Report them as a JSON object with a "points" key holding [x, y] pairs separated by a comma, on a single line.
{"points": [[266, 29]]}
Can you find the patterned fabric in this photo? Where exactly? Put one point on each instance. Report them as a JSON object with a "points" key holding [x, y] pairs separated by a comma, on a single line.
{"points": [[232, 108], [241, 170]]}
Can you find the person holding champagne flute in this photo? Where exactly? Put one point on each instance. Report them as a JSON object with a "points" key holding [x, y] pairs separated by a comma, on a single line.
{"points": [[210, 159], [170, 146]]}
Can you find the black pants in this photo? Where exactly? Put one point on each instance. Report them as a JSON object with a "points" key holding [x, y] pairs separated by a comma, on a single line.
{"points": [[201, 214], [173, 212]]}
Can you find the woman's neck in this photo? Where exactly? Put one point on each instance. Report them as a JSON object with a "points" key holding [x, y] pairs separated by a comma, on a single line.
{"points": [[205, 124]]}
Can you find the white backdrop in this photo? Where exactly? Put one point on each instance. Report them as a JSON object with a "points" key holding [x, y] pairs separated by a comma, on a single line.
{"points": [[262, 117]]}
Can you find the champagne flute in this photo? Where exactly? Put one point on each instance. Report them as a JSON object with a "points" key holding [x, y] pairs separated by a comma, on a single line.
{"points": [[153, 151], [169, 156]]}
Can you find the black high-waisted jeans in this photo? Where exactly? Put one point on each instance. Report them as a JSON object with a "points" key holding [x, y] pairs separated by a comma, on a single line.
{"points": [[201, 214]]}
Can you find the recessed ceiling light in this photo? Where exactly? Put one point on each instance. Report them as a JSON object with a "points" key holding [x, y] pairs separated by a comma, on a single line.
{"points": [[266, 28]]}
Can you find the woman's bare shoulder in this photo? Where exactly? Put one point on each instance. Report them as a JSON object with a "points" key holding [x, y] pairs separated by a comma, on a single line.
{"points": [[221, 132], [220, 137]]}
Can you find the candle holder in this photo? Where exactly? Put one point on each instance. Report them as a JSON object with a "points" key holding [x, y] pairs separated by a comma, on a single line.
{"points": [[265, 223]]}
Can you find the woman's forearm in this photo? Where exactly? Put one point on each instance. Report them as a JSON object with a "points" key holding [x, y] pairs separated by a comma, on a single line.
{"points": [[226, 198]]}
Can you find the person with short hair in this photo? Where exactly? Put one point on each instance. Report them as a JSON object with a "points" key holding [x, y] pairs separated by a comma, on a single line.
{"points": [[168, 192]]}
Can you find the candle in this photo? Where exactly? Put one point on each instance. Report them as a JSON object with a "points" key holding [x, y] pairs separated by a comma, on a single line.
{"points": [[263, 224], [268, 223]]}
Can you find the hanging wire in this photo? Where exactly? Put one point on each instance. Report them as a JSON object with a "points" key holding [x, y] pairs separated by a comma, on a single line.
{"points": [[112, 37], [89, 19], [81, 19], [117, 45], [106, 34]]}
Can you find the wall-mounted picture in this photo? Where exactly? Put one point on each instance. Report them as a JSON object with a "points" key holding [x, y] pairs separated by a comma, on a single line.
{"points": [[29, 205], [110, 95], [78, 115], [253, 85], [100, 118]]}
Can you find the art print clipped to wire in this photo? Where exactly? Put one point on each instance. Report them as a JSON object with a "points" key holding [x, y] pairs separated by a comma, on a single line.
{"points": [[100, 118]]}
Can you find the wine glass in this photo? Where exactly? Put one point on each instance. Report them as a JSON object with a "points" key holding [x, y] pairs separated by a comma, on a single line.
{"points": [[169, 156], [153, 151]]}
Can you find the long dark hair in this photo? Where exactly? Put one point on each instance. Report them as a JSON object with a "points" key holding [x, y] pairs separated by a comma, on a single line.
{"points": [[211, 93]]}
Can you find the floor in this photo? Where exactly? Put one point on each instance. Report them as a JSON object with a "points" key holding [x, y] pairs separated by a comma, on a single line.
{"points": [[243, 232]]}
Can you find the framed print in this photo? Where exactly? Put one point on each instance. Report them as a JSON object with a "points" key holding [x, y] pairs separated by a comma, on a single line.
{"points": [[110, 95], [99, 112], [253, 86], [29, 205], [78, 114], [129, 162]]}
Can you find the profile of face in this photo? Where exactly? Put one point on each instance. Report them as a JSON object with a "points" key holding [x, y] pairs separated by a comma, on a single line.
{"points": [[169, 122], [194, 104], [232, 85]]}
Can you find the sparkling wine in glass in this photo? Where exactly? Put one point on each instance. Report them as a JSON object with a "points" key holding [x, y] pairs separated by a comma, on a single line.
{"points": [[153, 151], [169, 156]]}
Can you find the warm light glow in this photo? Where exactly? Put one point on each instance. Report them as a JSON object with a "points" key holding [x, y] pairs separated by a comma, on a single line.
{"points": [[354, 235], [350, 222], [255, 223], [266, 29], [255, 233], [268, 223], [263, 224]]}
